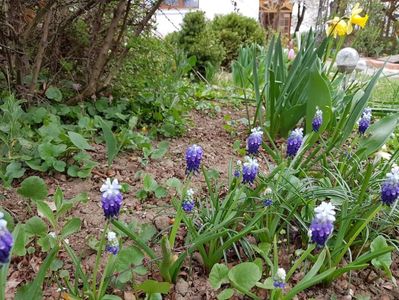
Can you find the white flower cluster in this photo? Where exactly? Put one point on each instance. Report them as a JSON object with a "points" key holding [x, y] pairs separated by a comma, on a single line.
{"points": [[257, 131], [112, 239], [110, 189], [325, 213], [250, 162]]}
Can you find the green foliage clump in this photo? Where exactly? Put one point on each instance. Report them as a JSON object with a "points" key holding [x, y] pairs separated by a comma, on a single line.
{"points": [[198, 39], [370, 40], [152, 84], [235, 31]]}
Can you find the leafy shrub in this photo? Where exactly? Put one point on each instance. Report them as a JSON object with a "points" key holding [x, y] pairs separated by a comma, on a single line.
{"points": [[152, 85], [235, 31], [198, 39], [368, 41]]}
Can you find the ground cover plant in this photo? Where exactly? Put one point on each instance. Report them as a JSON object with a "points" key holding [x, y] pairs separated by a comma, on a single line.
{"points": [[308, 196]]}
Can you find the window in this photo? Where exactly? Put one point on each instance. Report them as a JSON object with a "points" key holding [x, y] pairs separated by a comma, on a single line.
{"points": [[180, 4]]}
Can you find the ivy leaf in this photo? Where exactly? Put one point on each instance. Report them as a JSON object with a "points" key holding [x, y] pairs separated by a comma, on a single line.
{"points": [[161, 151]]}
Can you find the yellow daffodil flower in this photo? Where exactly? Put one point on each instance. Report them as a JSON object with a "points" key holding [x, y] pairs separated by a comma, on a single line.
{"points": [[356, 19], [337, 27]]}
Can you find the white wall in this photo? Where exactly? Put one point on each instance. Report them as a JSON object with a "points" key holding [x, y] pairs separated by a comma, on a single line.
{"points": [[169, 20]]}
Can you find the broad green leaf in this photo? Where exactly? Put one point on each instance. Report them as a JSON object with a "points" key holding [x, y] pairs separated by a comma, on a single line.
{"points": [[45, 210], [225, 294], [36, 226], [383, 261], [318, 95], [14, 170], [54, 93], [268, 284], [161, 151], [160, 192], [377, 134], [149, 183], [19, 240], [79, 141], [72, 226], [153, 286], [50, 152], [128, 256], [245, 275], [218, 275], [110, 141], [33, 188], [174, 183], [59, 165]]}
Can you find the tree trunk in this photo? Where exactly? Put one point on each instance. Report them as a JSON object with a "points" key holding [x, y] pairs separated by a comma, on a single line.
{"points": [[40, 52], [301, 15], [95, 72]]}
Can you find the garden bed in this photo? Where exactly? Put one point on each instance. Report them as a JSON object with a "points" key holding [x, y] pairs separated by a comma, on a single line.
{"points": [[212, 134]]}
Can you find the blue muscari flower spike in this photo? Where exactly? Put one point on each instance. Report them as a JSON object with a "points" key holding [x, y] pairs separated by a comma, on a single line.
{"points": [[323, 224], [268, 195], [365, 120], [317, 120], [254, 140], [249, 170], [237, 171], [6, 241], [112, 243], [111, 198], [294, 142], [188, 204], [279, 279], [390, 187], [193, 158]]}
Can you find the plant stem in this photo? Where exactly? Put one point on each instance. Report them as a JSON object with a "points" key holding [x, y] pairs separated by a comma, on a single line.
{"points": [[98, 257]]}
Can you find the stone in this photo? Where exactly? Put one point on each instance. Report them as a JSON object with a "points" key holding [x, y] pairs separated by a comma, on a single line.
{"points": [[181, 287], [162, 222], [361, 65], [347, 59]]}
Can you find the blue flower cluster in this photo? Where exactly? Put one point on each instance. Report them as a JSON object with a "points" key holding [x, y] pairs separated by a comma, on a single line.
{"points": [[317, 120], [322, 224], [193, 158], [279, 279], [188, 203], [294, 142], [365, 120], [112, 243], [254, 141], [111, 198], [390, 187], [6, 241], [249, 170]]}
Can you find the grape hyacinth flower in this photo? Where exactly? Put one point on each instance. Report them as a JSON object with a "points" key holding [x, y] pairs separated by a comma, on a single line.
{"points": [[6, 241], [317, 120], [294, 142], [268, 194], [193, 158], [254, 140], [113, 243], [365, 120], [249, 170], [237, 171], [188, 204], [279, 278], [111, 199], [322, 224], [390, 187]]}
